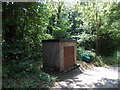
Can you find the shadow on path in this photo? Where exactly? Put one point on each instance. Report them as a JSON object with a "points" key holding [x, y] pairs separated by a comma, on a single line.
{"points": [[98, 77]]}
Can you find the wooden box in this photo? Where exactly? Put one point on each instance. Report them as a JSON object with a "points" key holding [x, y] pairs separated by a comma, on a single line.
{"points": [[59, 54]]}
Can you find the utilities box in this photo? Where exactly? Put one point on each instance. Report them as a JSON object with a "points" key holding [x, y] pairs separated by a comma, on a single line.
{"points": [[59, 54]]}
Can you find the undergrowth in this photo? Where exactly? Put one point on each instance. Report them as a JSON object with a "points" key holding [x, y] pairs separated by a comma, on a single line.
{"points": [[99, 60], [30, 76]]}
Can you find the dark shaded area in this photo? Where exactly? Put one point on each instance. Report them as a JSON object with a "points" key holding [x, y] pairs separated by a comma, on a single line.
{"points": [[66, 75], [107, 44], [109, 83]]}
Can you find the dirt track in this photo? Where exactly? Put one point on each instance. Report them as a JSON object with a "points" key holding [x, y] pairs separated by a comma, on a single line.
{"points": [[97, 77]]}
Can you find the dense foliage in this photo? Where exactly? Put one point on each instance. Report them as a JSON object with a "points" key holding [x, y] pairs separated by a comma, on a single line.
{"points": [[24, 25], [95, 26], [100, 32]]}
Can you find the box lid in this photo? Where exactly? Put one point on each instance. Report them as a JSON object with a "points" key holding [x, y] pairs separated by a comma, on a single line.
{"points": [[58, 40]]}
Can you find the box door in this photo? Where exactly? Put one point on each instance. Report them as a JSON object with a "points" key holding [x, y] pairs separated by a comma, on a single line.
{"points": [[68, 56]]}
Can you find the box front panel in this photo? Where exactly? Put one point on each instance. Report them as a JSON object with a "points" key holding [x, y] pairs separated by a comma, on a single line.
{"points": [[69, 59]]}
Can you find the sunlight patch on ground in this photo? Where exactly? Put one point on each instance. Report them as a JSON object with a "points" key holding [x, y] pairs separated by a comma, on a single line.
{"points": [[98, 77]]}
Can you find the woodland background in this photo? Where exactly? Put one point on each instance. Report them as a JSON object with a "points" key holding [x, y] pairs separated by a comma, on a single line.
{"points": [[94, 25]]}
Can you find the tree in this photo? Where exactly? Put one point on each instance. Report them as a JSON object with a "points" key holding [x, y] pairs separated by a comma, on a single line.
{"points": [[75, 20], [95, 16], [58, 23], [24, 26]]}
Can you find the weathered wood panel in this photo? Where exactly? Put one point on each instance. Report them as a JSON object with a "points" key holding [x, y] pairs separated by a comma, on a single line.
{"points": [[69, 59], [51, 54]]}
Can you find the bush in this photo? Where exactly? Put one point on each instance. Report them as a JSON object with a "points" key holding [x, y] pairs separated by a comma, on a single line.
{"points": [[81, 51], [97, 60], [26, 74], [107, 45], [86, 41], [59, 33]]}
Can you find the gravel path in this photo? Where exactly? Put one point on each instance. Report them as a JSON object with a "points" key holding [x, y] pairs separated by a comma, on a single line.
{"points": [[97, 77]]}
